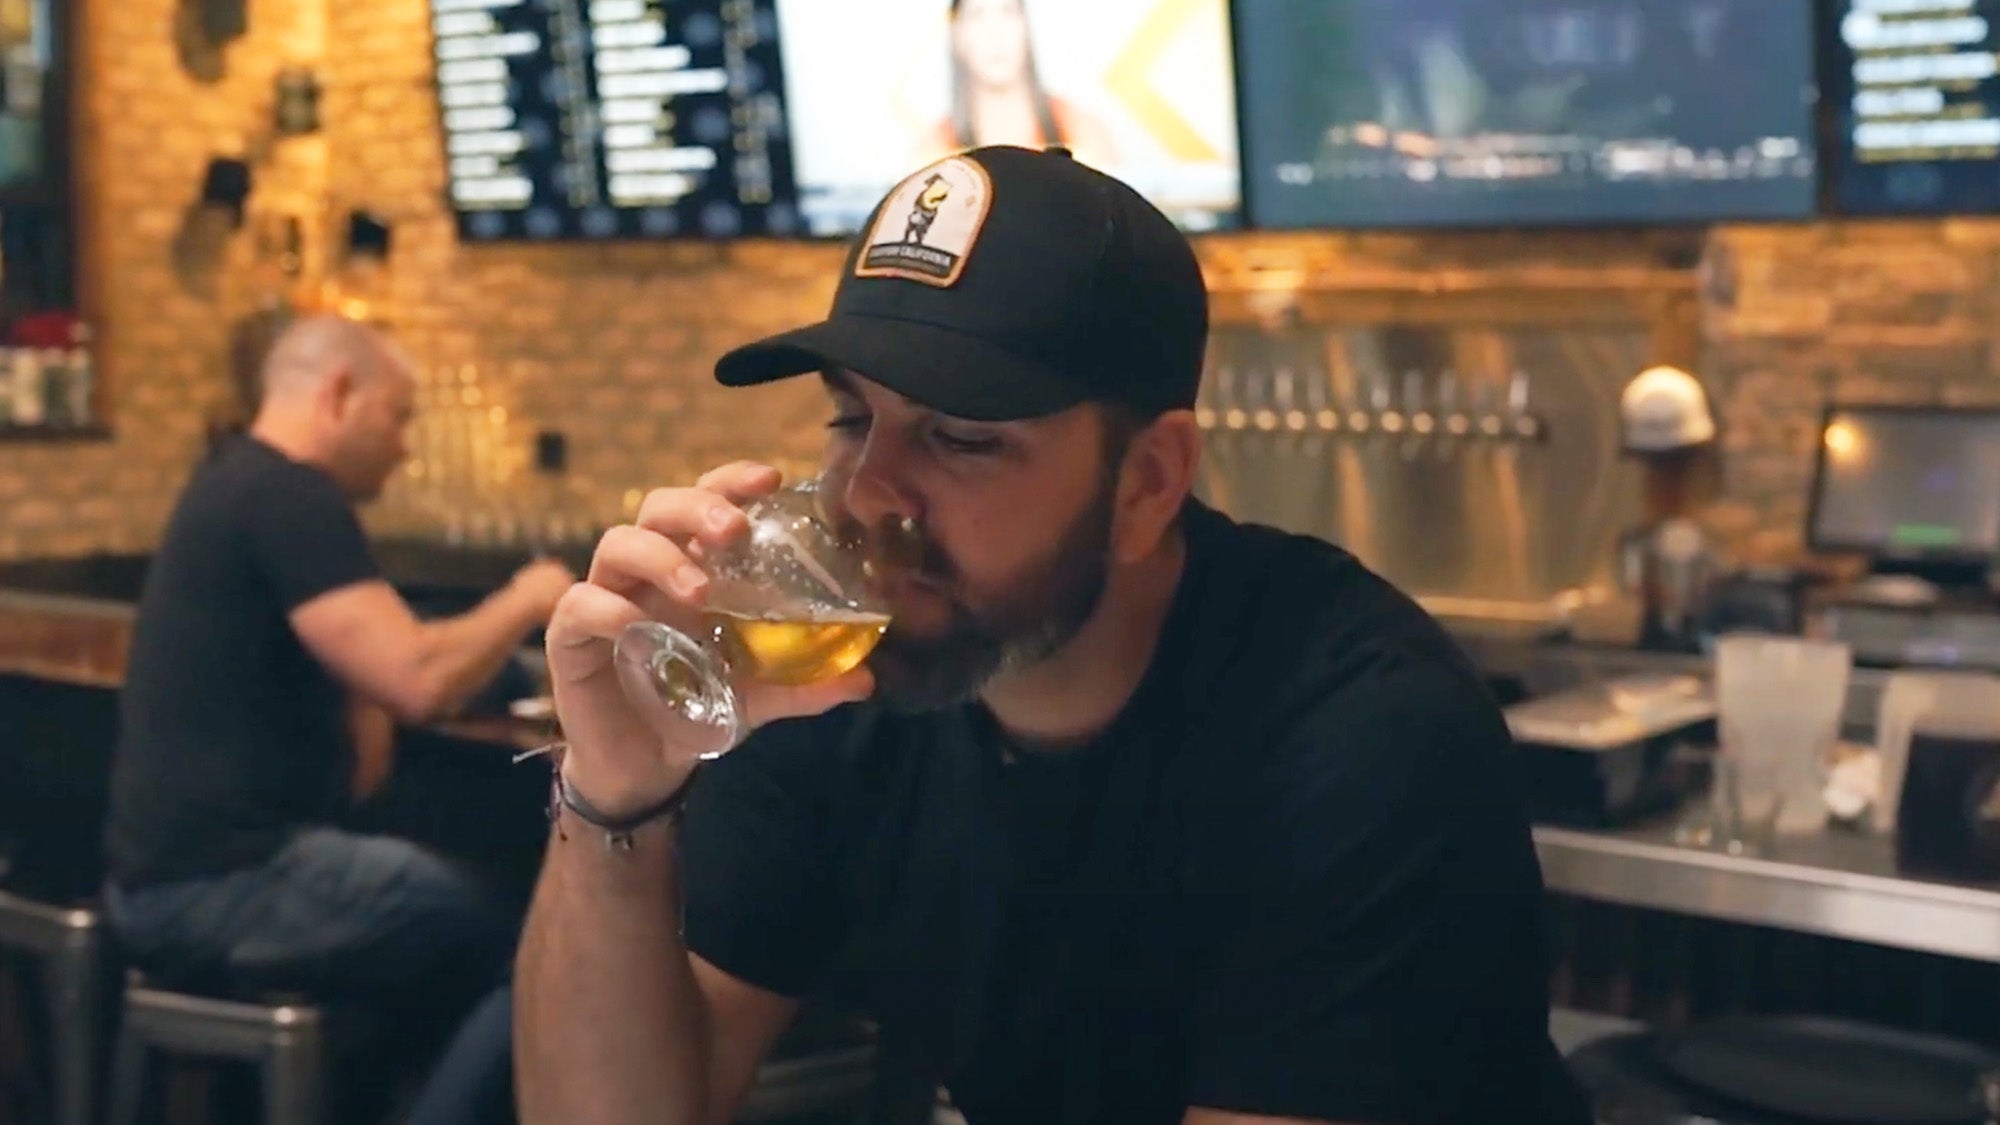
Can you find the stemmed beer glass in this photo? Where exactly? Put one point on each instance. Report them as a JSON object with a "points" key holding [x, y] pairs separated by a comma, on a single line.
{"points": [[788, 604]]}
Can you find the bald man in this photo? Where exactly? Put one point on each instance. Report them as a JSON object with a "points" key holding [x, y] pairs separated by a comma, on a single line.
{"points": [[264, 633]]}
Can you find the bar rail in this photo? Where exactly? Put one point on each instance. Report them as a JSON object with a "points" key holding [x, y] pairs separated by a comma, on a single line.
{"points": [[1838, 884]]}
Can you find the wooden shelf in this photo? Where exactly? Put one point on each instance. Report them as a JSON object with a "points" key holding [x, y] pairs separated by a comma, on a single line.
{"points": [[52, 435]]}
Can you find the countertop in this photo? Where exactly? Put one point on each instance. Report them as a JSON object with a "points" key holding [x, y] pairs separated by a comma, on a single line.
{"points": [[83, 641], [1839, 883], [1836, 885]]}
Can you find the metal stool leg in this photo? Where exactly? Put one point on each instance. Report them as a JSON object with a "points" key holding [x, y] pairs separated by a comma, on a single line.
{"points": [[75, 996], [292, 1093], [128, 1077]]}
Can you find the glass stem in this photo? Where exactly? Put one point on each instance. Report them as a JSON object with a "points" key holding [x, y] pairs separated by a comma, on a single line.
{"points": [[680, 687]]}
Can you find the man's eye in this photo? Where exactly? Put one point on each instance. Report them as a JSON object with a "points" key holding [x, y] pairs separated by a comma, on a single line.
{"points": [[849, 424], [964, 442]]}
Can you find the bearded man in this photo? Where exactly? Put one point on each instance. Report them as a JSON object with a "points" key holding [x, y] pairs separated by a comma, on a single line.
{"points": [[1136, 814]]}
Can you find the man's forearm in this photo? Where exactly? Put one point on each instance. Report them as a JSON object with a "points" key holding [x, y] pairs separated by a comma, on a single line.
{"points": [[610, 1025], [465, 653], [373, 731]]}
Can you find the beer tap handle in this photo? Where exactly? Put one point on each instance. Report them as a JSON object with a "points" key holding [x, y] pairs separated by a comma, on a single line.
{"points": [[1523, 421], [1388, 419], [1227, 402], [1452, 423], [1422, 422]]}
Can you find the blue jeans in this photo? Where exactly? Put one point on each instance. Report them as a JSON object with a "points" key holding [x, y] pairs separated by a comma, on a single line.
{"points": [[395, 942], [473, 1082], [332, 914]]}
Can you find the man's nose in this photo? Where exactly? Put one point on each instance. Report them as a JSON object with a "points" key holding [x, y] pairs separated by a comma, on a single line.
{"points": [[878, 490]]}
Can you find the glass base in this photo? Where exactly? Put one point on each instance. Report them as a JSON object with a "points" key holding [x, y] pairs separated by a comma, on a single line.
{"points": [[680, 687]]}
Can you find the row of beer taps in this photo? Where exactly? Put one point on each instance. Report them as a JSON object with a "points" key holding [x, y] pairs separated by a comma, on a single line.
{"points": [[1280, 399]]}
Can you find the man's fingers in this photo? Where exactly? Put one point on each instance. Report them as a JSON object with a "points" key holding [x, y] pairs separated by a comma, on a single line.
{"points": [[741, 481], [629, 558], [710, 515], [590, 613], [692, 515]]}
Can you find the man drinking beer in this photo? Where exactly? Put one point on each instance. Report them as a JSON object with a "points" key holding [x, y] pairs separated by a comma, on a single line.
{"points": [[1135, 814]]}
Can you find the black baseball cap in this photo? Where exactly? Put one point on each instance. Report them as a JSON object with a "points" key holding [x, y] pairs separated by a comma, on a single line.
{"points": [[1007, 283]]}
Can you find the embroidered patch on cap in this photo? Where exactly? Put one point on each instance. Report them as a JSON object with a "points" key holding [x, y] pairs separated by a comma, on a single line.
{"points": [[926, 229]]}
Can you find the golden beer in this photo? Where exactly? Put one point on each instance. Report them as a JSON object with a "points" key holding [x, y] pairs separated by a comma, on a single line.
{"points": [[796, 648]]}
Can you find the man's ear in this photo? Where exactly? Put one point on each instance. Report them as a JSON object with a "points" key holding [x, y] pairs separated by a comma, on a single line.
{"points": [[336, 391], [1154, 482]]}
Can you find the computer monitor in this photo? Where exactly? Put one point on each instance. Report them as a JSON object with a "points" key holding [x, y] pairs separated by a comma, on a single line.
{"points": [[1908, 485]]}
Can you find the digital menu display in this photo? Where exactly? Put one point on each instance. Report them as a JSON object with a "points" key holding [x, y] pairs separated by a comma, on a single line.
{"points": [[600, 119], [1915, 87], [1419, 113], [1140, 89]]}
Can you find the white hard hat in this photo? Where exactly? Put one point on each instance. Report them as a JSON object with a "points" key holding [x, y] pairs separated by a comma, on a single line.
{"points": [[1664, 409]]}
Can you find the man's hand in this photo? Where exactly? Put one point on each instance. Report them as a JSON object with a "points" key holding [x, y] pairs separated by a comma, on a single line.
{"points": [[543, 583], [645, 571]]}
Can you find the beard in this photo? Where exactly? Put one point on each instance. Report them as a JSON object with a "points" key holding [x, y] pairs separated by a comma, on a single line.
{"points": [[1040, 615]]}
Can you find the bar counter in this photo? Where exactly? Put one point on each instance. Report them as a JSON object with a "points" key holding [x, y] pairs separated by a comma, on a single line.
{"points": [[1838, 884], [71, 623], [65, 631]]}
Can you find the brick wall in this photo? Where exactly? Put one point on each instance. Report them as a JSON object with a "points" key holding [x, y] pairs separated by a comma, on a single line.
{"points": [[161, 296], [1874, 312], [609, 345], [612, 345]]}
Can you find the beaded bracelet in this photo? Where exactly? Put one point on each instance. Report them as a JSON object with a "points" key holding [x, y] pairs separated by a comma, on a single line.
{"points": [[617, 830]]}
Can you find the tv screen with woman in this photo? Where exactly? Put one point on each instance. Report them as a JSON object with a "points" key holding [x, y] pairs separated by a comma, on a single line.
{"points": [[1142, 89]]}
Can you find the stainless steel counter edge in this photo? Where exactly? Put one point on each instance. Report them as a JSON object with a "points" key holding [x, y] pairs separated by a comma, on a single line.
{"points": [[1942, 918]]}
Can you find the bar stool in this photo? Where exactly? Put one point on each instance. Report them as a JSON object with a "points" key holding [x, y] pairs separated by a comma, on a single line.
{"points": [[282, 1039], [822, 1082], [823, 1068], [69, 943]]}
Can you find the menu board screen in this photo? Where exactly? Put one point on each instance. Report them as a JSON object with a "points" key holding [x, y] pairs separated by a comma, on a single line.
{"points": [[601, 119], [1915, 86], [1419, 113]]}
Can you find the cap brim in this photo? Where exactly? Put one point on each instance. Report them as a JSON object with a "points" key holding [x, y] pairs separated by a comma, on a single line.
{"points": [[943, 369]]}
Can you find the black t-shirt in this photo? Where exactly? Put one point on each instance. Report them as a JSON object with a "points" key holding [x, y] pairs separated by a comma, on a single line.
{"points": [[1293, 879], [232, 735]]}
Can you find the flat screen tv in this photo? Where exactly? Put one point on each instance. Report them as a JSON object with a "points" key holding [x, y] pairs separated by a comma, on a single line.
{"points": [[1458, 113], [1139, 88], [37, 178]]}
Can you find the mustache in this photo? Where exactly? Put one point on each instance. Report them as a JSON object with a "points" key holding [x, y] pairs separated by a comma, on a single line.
{"points": [[897, 545]]}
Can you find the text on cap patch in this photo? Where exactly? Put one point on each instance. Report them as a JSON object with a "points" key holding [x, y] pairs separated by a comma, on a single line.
{"points": [[926, 229]]}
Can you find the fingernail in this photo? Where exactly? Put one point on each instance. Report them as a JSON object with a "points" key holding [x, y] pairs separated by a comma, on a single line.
{"points": [[689, 580], [718, 518]]}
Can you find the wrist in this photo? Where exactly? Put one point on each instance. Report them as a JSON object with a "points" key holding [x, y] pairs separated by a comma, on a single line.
{"points": [[616, 797], [617, 826]]}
